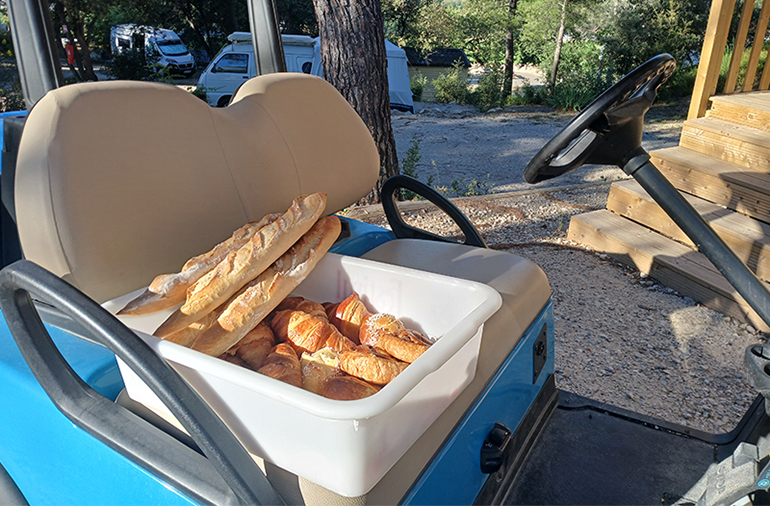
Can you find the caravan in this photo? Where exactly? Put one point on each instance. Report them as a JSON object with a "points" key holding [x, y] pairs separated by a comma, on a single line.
{"points": [[159, 42]]}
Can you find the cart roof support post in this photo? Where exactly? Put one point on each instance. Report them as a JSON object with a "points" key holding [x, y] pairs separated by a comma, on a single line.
{"points": [[36, 53], [266, 37]]}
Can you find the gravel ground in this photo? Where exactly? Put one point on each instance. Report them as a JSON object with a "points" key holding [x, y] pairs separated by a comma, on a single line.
{"points": [[621, 338]]}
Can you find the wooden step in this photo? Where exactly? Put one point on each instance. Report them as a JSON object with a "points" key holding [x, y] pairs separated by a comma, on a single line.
{"points": [[750, 109], [741, 145], [747, 237], [671, 263], [720, 182]]}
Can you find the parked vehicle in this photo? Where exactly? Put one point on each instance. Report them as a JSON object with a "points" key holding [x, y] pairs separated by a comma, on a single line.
{"points": [[234, 64], [162, 45], [398, 76]]}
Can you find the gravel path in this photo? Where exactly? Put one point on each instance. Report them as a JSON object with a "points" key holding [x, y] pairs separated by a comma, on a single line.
{"points": [[620, 338]]}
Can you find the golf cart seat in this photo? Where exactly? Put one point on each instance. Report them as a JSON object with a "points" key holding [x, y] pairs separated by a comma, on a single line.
{"points": [[118, 182]]}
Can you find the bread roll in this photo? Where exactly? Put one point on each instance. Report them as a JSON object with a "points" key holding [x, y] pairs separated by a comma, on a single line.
{"points": [[235, 361], [318, 368], [259, 297], [348, 388], [370, 367], [282, 364], [168, 290], [245, 264]]}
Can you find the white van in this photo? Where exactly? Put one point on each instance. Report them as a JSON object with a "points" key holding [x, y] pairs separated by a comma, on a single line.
{"points": [[234, 64], [160, 42]]}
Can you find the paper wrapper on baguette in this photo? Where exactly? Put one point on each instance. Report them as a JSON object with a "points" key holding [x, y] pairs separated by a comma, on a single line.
{"points": [[168, 290], [246, 263], [259, 297]]}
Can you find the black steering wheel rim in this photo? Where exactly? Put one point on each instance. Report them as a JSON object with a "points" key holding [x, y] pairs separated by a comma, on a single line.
{"points": [[591, 123]]}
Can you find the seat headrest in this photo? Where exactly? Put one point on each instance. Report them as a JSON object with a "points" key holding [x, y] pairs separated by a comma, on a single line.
{"points": [[120, 181]]}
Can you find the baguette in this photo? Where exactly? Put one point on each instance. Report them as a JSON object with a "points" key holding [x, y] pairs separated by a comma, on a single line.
{"points": [[259, 297], [168, 290], [243, 265]]}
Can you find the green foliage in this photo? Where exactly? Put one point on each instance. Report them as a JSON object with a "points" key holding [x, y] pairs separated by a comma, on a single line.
{"points": [[489, 92], [409, 167], [452, 86], [528, 95], [129, 65], [462, 188], [200, 92], [643, 29], [582, 76], [417, 83]]}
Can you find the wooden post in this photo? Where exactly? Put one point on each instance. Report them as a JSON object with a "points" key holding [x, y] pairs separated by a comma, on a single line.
{"points": [[711, 55], [740, 44], [756, 49]]}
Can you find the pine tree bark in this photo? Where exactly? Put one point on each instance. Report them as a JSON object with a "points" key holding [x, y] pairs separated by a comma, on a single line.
{"points": [[355, 62], [509, 48]]}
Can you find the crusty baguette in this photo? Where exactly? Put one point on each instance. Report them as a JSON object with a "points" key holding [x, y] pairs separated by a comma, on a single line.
{"points": [[243, 265], [189, 334], [259, 297], [168, 290]]}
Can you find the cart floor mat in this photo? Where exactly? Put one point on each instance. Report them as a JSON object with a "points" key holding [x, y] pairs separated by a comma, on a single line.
{"points": [[587, 457]]}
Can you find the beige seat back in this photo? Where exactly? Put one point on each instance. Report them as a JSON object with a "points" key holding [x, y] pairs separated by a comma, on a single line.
{"points": [[119, 181]]}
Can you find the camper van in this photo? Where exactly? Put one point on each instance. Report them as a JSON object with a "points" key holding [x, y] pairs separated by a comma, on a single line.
{"points": [[159, 42], [235, 64], [400, 90]]}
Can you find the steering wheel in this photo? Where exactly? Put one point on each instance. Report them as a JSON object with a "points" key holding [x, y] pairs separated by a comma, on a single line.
{"points": [[607, 130]]}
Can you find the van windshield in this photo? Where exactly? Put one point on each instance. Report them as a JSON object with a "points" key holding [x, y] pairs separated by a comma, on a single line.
{"points": [[172, 47]]}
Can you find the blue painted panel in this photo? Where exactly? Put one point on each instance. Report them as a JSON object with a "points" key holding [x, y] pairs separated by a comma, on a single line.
{"points": [[363, 237], [52, 460], [454, 476]]}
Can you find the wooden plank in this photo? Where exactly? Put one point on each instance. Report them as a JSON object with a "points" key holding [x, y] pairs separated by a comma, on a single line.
{"points": [[673, 264], [750, 109], [748, 238], [714, 43], [740, 44], [719, 182], [756, 48], [741, 145]]}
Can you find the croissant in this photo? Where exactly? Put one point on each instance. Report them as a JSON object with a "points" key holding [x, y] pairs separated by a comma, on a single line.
{"points": [[367, 365], [235, 360], [304, 305], [307, 333], [385, 331], [376, 324], [255, 346], [349, 315], [282, 364], [348, 388]]}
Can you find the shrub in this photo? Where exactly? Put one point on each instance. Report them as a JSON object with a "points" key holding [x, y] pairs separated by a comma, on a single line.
{"points": [[452, 86], [489, 92], [130, 65], [417, 84], [409, 167], [527, 95]]}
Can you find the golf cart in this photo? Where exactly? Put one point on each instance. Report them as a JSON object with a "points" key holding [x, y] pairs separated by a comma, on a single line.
{"points": [[97, 213]]}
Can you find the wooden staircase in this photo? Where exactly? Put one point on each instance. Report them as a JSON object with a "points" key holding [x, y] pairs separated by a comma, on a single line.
{"points": [[722, 166]]}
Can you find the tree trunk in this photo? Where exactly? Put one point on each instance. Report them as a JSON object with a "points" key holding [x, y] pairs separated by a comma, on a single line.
{"points": [[559, 42], [354, 61], [509, 47]]}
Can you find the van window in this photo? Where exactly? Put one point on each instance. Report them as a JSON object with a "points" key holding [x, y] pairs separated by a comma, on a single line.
{"points": [[234, 63], [124, 43], [172, 47]]}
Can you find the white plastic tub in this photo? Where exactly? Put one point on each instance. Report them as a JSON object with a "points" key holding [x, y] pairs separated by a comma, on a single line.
{"points": [[345, 446]]}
